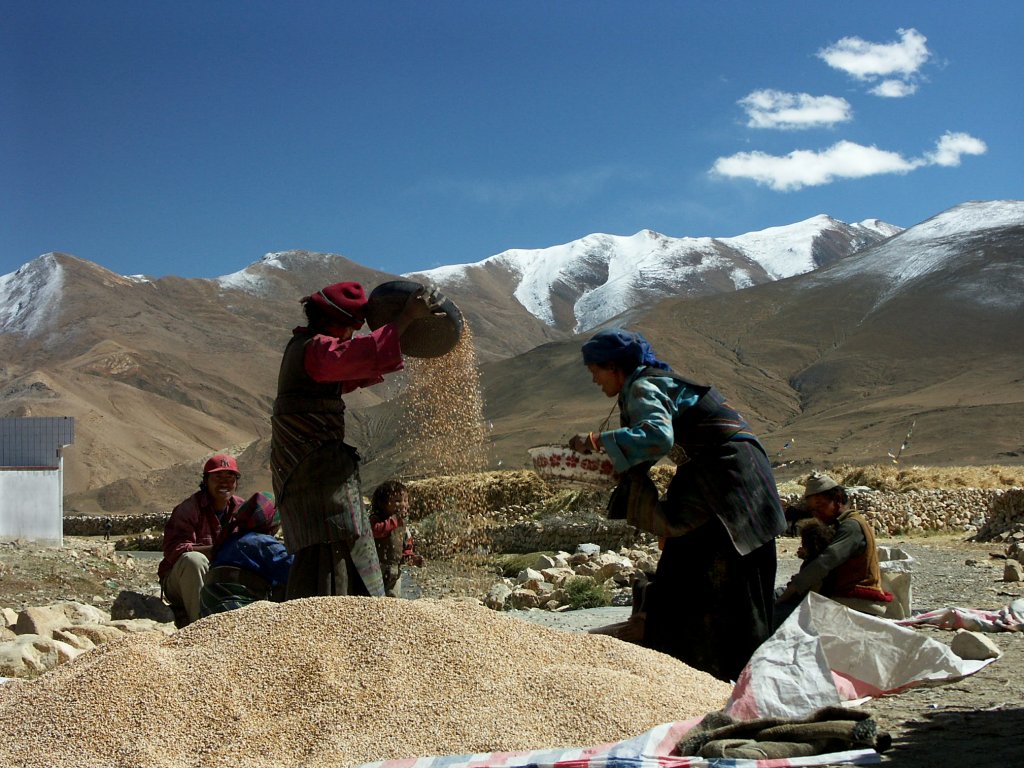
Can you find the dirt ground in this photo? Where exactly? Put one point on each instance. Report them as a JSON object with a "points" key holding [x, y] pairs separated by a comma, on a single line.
{"points": [[977, 721]]}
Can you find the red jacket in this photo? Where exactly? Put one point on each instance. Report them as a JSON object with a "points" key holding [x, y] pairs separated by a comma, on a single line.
{"points": [[193, 523]]}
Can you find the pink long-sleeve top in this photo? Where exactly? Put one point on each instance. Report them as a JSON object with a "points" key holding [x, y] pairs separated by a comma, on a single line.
{"points": [[358, 362]]}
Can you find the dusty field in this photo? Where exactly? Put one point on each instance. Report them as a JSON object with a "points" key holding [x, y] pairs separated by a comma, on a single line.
{"points": [[977, 721]]}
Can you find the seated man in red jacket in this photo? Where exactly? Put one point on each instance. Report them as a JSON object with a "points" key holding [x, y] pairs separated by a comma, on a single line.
{"points": [[190, 533], [847, 569]]}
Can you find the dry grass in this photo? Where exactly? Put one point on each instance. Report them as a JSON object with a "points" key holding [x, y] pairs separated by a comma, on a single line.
{"points": [[496, 489], [500, 489], [892, 477]]}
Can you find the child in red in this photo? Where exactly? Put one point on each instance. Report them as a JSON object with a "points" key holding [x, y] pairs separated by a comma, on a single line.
{"points": [[388, 509]]}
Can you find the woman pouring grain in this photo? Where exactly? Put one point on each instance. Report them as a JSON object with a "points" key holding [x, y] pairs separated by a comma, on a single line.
{"points": [[315, 473], [710, 603]]}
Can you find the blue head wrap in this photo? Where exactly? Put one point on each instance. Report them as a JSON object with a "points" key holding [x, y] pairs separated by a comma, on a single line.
{"points": [[622, 349]]}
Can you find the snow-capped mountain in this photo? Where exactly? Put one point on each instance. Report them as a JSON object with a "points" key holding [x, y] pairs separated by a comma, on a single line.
{"points": [[895, 326], [942, 244], [27, 293], [579, 285]]}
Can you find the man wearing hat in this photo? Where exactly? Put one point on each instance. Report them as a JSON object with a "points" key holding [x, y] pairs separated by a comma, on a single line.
{"points": [[190, 533], [315, 473], [847, 570]]}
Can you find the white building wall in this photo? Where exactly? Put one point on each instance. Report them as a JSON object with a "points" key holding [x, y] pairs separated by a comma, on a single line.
{"points": [[32, 504]]}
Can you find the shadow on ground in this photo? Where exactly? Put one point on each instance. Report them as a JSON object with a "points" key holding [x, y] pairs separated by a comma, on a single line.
{"points": [[978, 738]]}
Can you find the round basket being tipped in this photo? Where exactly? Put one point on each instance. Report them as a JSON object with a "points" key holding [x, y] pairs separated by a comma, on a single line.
{"points": [[427, 337], [562, 466]]}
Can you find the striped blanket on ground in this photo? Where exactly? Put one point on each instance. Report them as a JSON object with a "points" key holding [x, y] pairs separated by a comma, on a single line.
{"points": [[1009, 618], [648, 750]]}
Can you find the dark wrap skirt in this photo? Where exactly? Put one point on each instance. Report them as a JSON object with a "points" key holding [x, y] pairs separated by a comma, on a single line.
{"points": [[326, 526], [710, 603]]}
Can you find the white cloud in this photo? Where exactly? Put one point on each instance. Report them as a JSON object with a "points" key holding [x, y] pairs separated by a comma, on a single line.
{"points": [[776, 109], [807, 168], [894, 89], [898, 63], [867, 61], [844, 160], [951, 146]]}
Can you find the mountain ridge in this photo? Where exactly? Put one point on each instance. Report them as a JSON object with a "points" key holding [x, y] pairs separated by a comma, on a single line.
{"points": [[160, 373], [578, 285]]}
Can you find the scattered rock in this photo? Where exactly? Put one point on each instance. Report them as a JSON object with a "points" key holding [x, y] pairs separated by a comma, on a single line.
{"points": [[974, 646], [497, 596], [134, 605], [31, 655]]}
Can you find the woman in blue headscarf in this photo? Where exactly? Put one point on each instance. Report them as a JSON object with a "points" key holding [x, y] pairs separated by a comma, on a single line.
{"points": [[710, 603]]}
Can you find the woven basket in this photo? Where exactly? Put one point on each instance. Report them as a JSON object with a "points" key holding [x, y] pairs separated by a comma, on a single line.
{"points": [[563, 466]]}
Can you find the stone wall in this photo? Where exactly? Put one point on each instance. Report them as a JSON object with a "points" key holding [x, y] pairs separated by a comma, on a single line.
{"points": [[895, 514], [121, 525], [959, 510], [1005, 517], [987, 514]]}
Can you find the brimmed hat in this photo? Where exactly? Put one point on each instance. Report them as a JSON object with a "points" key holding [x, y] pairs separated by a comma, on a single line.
{"points": [[222, 462], [818, 483], [345, 302]]}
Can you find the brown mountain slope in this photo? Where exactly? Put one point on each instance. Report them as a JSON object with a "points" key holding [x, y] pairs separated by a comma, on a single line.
{"points": [[840, 361], [867, 357]]}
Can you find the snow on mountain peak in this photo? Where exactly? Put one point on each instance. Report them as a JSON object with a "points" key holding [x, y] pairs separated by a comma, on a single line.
{"points": [[609, 274], [30, 297], [879, 226], [783, 251], [929, 246], [255, 278], [967, 217]]}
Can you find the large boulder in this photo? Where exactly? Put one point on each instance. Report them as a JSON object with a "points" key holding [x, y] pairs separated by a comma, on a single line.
{"points": [[30, 655], [44, 620]]}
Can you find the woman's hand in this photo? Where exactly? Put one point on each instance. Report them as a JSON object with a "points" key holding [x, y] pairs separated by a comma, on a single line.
{"points": [[419, 305], [585, 442]]}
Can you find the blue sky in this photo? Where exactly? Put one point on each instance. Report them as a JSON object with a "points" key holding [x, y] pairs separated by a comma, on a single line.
{"points": [[191, 138]]}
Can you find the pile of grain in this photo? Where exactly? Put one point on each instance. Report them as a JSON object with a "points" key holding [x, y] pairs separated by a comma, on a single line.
{"points": [[343, 681]]}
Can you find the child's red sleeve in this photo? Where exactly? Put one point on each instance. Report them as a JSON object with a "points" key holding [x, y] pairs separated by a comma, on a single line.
{"points": [[384, 527]]}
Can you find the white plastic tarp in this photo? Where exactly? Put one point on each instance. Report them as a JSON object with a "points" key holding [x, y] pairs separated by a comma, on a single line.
{"points": [[825, 654]]}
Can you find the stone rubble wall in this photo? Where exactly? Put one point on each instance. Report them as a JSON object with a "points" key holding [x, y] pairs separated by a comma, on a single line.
{"points": [[895, 514], [988, 514], [1005, 517], [121, 525], [959, 510]]}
